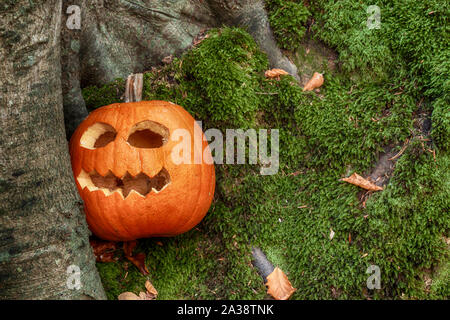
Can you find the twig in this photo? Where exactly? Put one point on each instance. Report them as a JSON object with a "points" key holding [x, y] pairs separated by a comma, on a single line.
{"points": [[267, 93], [401, 151]]}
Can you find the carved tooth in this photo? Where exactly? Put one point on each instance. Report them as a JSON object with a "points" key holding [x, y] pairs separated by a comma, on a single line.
{"points": [[156, 191], [132, 190]]}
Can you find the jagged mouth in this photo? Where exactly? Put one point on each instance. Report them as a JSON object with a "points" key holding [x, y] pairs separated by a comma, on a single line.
{"points": [[142, 184]]}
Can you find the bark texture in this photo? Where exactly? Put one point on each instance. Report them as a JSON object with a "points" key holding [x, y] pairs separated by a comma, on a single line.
{"points": [[42, 228], [120, 37]]}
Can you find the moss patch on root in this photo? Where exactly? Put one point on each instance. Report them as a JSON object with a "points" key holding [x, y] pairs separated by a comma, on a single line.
{"points": [[324, 137]]}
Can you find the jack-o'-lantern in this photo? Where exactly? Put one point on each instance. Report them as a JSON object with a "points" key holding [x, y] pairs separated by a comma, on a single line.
{"points": [[125, 172]]}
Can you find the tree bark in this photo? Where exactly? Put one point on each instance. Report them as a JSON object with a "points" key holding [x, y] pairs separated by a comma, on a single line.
{"points": [[42, 228], [121, 37]]}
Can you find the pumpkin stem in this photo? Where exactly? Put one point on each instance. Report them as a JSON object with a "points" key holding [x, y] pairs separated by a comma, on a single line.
{"points": [[133, 88]]}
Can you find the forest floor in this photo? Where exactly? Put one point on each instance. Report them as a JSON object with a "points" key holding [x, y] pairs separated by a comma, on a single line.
{"points": [[322, 232]]}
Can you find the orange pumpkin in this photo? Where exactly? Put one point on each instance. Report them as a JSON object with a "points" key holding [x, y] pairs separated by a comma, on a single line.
{"points": [[124, 171]]}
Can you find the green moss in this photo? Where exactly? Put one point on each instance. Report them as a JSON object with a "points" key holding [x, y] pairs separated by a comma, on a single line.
{"points": [[441, 124], [415, 202], [120, 277], [96, 97], [287, 20], [216, 81], [323, 137], [440, 287], [412, 41]]}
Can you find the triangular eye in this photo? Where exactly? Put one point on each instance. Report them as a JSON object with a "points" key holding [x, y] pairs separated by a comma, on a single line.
{"points": [[148, 134], [98, 135]]}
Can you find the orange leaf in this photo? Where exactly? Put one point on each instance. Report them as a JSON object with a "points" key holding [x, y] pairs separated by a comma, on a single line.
{"points": [[275, 73], [139, 261], [315, 82], [359, 181], [278, 285], [151, 291]]}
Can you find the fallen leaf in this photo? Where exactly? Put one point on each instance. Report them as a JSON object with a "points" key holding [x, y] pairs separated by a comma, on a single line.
{"points": [[331, 234], [143, 295], [128, 247], [315, 82], [103, 250], [199, 38], [278, 285], [139, 261], [146, 296], [359, 181], [106, 257], [128, 296], [132, 296], [151, 291], [168, 59], [275, 73]]}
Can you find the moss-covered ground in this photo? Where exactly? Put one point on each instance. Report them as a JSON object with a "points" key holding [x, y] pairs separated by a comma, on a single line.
{"points": [[383, 88]]}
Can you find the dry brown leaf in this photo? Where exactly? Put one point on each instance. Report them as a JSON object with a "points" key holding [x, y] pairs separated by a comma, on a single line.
{"points": [[106, 257], [168, 59], [315, 82], [331, 233], [132, 296], [128, 296], [139, 261], [103, 250], [275, 73], [199, 38], [143, 295], [151, 291], [359, 181], [278, 285], [146, 296], [128, 247]]}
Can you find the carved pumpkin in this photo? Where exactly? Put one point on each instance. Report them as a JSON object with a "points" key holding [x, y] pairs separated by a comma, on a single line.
{"points": [[123, 168]]}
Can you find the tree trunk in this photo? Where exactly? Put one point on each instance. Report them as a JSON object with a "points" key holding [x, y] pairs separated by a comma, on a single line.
{"points": [[42, 228], [120, 37]]}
